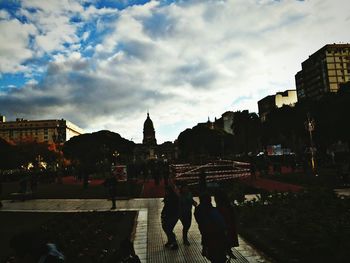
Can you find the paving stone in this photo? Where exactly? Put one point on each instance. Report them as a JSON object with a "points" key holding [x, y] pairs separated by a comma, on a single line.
{"points": [[149, 238]]}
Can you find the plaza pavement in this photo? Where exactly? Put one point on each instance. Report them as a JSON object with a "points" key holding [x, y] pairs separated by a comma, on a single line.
{"points": [[149, 239]]}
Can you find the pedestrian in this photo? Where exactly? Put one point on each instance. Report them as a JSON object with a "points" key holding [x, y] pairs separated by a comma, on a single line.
{"points": [[31, 248], [0, 188], [166, 173], [156, 174], [202, 182], [145, 171], [170, 216], [23, 185], [344, 171], [252, 170], [227, 210], [34, 181], [212, 227], [128, 254], [111, 184], [186, 203]]}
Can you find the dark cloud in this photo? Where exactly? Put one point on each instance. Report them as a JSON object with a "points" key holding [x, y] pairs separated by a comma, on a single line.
{"points": [[80, 97]]}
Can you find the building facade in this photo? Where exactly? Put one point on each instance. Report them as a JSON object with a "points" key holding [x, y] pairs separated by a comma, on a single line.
{"points": [[50, 131], [323, 72], [267, 104]]}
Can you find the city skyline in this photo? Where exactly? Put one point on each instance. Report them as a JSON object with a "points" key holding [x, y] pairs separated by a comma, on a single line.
{"points": [[103, 64]]}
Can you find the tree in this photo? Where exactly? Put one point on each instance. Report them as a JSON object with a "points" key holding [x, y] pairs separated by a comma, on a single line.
{"points": [[95, 149]]}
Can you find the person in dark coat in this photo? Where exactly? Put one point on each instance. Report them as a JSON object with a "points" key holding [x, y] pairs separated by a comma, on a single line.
{"points": [[127, 251], [186, 203], [212, 227], [29, 247], [170, 216], [202, 183], [0, 188], [111, 184], [227, 210], [165, 171]]}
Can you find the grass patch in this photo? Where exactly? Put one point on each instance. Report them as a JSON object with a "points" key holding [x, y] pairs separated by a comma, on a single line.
{"points": [[82, 237]]}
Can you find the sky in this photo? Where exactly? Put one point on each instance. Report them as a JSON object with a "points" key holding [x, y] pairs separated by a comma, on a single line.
{"points": [[104, 64]]}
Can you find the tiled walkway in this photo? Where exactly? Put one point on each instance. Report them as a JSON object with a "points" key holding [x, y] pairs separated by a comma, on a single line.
{"points": [[149, 237]]}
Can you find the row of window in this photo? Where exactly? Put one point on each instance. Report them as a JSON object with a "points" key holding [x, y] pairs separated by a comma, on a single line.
{"points": [[337, 52], [15, 125]]}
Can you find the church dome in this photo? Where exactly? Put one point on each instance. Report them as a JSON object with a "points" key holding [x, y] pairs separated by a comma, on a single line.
{"points": [[148, 125], [149, 136]]}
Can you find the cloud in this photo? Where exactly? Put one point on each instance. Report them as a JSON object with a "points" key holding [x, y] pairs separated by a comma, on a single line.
{"points": [[4, 15], [183, 61], [14, 48]]}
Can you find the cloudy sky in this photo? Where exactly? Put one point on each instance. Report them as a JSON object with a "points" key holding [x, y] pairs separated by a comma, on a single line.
{"points": [[103, 64]]}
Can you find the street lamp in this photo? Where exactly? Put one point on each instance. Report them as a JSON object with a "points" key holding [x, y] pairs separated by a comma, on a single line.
{"points": [[115, 155], [56, 138], [310, 126]]}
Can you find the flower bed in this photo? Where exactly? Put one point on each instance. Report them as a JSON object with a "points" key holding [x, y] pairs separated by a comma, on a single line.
{"points": [[82, 237], [312, 226]]}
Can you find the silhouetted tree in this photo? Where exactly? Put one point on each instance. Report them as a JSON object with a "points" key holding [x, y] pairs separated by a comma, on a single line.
{"points": [[95, 149], [201, 143], [247, 133]]}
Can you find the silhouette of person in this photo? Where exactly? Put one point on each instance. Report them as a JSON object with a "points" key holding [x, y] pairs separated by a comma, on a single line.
{"points": [[170, 216], [0, 188], [31, 248], [111, 184], [186, 203], [128, 254], [202, 182], [252, 170], [34, 181], [23, 185], [145, 172], [227, 210], [165, 169], [212, 227], [156, 174]]}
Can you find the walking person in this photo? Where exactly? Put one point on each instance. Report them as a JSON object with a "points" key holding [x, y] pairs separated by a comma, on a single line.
{"points": [[0, 188], [227, 210], [202, 183], [212, 227], [186, 203], [165, 170], [29, 247], [111, 184], [127, 251], [170, 216]]}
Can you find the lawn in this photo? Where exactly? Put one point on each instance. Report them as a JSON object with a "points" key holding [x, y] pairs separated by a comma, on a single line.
{"points": [[82, 237], [312, 226], [73, 191]]}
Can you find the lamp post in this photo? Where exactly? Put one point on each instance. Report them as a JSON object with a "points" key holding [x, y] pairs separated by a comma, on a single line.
{"points": [[56, 138], [39, 159], [310, 126], [115, 155]]}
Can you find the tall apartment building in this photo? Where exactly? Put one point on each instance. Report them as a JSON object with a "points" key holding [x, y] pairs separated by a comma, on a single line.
{"points": [[323, 71], [40, 130], [267, 104]]}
